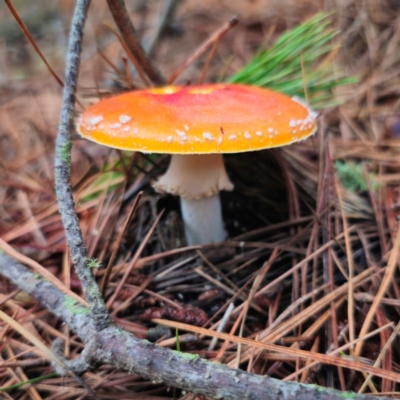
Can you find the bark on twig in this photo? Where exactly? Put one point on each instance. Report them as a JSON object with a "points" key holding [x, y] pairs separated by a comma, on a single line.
{"points": [[121, 349], [69, 218], [128, 33]]}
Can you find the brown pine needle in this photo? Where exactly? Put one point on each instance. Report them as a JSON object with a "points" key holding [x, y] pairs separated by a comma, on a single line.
{"points": [[350, 305], [307, 355], [131, 56], [386, 281], [208, 61], [338, 350], [49, 353], [28, 35], [114, 253], [134, 260], [204, 46], [40, 270], [114, 68]]}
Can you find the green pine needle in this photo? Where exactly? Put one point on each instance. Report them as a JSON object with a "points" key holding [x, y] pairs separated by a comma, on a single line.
{"points": [[178, 343], [34, 380], [280, 67]]}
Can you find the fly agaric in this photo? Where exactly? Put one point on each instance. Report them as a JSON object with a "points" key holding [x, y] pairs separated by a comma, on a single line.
{"points": [[197, 124]]}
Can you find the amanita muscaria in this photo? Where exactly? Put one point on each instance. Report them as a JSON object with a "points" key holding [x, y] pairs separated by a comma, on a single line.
{"points": [[197, 124]]}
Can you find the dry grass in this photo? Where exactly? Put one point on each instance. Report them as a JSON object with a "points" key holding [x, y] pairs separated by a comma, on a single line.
{"points": [[311, 265]]}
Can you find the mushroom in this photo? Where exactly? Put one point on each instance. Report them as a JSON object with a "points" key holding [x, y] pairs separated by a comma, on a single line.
{"points": [[197, 124]]}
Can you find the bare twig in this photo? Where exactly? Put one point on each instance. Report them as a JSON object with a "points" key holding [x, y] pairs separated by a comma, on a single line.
{"points": [[128, 33], [69, 217]]}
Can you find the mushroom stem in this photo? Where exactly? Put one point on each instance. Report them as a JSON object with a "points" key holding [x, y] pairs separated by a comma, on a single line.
{"points": [[198, 179], [202, 220]]}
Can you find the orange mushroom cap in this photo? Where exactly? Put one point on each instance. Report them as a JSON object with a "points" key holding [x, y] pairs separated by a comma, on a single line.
{"points": [[214, 118]]}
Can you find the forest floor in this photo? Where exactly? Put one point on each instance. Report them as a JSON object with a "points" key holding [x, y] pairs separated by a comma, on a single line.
{"points": [[318, 220]]}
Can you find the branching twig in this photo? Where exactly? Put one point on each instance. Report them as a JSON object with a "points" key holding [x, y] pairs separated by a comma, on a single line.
{"points": [[128, 33], [122, 350], [69, 217]]}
